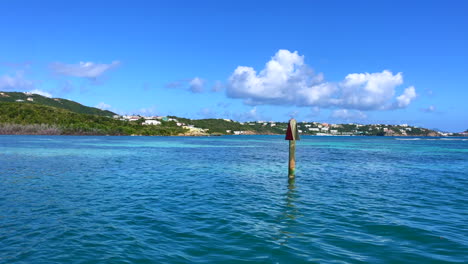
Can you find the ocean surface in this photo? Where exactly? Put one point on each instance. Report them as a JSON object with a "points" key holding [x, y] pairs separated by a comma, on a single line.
{"points": [[67, 199]]}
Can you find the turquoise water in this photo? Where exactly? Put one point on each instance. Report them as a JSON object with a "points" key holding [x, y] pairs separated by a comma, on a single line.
{"points": [[66, 199]]}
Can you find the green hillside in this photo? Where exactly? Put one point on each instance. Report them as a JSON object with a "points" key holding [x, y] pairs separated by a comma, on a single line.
{"points": [[55, 102], [21, 118]]}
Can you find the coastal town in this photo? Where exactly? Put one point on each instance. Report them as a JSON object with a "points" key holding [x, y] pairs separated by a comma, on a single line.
{"points": [[272, 127]]}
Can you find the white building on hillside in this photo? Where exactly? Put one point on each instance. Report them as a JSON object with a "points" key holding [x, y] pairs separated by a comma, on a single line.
{"points": [[152, 122]]}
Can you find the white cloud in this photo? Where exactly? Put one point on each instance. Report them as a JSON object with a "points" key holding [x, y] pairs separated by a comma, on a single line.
{"points": [[287, 80], [15, 83], [405, 99], [39, 92], [429, 109], [196, 85], [89, 70], [318, 95], [283, 80], [345, 114], [369, 91], [103, 106]]}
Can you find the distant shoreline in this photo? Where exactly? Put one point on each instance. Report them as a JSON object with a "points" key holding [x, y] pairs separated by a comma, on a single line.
{"points": [[308, 135], [32, 114]]}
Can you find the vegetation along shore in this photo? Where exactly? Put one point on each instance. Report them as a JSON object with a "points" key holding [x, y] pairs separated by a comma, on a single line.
{"points": [[33, 114]]}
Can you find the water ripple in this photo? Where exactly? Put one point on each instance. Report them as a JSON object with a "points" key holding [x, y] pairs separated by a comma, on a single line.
{"points": [[227, 199]]}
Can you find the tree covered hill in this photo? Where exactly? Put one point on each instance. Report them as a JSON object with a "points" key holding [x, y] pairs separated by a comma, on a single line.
{"points": [[21, 118], [37, 99]]}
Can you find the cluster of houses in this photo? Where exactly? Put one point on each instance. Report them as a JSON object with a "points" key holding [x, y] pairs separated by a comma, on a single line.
{"points": [[236, 132], [353, 129], [358, 129], [448, 134], [263, 123], [319, 128], [147, 120], [157, 120], [350, 129]]}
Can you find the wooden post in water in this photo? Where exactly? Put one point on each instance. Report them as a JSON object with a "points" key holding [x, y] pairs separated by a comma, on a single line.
{"points": [[292, 135], [292, 159]]}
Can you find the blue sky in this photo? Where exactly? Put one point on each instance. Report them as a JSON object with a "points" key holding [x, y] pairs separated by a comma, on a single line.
{"points": [[330, 61]]}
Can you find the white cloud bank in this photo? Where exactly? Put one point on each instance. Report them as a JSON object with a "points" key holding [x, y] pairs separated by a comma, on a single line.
{"points": [[89, 70], [287, 80]]}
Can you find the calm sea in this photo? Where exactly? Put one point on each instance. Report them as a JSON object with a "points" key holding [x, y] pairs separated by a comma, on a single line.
{"points": [[66, 199]]}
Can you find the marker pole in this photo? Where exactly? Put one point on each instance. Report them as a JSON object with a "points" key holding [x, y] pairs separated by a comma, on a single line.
{"points": [[292, 159], [292, 135]]}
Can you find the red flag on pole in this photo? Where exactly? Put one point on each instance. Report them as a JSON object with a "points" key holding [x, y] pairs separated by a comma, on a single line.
{"points": [[291, 132]]}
